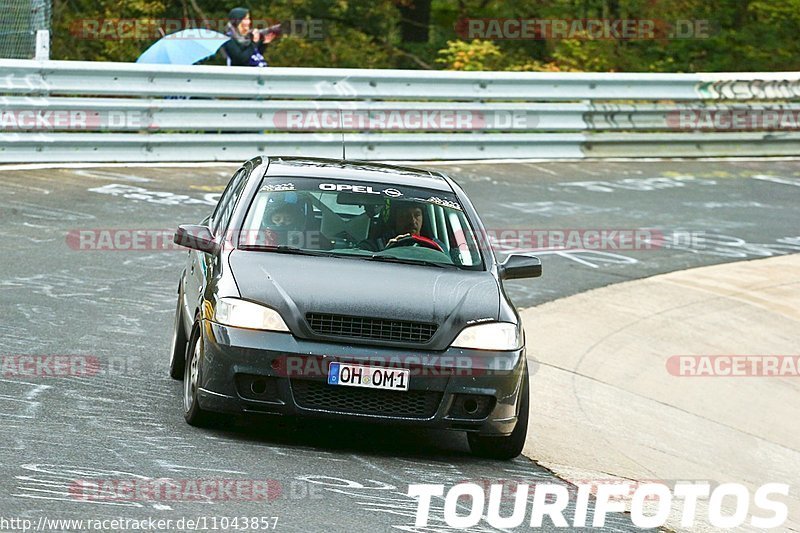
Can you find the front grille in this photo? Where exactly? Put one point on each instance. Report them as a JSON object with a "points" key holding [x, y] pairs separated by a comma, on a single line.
{"points": [[410, 404], [362, 327]]}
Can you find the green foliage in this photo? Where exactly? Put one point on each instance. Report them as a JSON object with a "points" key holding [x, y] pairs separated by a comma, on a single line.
{"points": [[741, 35], [475, 55], [486, 55], [88, 30], [343, 47]]}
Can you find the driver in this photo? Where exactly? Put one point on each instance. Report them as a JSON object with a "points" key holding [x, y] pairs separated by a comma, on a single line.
{"points": [[407, 219]]}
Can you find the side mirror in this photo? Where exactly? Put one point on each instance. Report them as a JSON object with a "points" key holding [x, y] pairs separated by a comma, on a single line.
{"points": [[196, 237], [517, 266]]}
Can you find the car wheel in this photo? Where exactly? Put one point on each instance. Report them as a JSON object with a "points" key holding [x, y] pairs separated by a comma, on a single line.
{"points": [[510, 446], [192, 412], [177, 360]]}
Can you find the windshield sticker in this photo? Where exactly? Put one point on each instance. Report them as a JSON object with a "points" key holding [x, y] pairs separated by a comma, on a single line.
{"points": [[444, 203], [278, 187], [365, 189], [392, 193]]}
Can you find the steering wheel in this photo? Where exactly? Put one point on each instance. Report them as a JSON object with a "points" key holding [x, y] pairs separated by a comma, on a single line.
{"points": [[414, 240]]}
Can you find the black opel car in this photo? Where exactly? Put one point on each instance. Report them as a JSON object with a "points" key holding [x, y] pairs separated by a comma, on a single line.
{"points": [[351, 290]]}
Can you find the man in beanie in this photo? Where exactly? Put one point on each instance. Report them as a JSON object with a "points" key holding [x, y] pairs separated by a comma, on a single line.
{"points": [[245, 48]]}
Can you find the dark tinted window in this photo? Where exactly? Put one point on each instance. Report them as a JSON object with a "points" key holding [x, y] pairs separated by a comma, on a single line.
{"points": [[222, 214]]}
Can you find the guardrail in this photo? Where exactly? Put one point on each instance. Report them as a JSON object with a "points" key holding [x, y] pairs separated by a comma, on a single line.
{"points": [[89, 111]]}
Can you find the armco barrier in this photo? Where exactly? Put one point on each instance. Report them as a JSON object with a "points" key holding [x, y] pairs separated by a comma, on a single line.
{"points": [[54, 111]]}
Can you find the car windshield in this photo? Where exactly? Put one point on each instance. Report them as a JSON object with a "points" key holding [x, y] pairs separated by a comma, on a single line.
{"points": [[361, 220]]}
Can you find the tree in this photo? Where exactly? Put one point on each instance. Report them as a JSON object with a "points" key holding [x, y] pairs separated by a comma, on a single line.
{"points": [[415, 20], [724, 35]]}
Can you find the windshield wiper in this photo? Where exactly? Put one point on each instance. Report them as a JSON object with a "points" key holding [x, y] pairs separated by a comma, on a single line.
{"points": [[282, 249], [395, 259], [286, 249]]}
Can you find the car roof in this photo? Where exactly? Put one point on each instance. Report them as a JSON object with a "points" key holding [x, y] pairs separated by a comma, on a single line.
{"points": [[367, 171]]}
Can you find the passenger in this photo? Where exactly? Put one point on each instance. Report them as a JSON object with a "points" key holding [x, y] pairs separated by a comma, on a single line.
{"points": [[286, 217], [284, 224]]}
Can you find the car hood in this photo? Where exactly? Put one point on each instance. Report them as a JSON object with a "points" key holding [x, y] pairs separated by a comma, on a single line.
{"points": [[295, 285]]}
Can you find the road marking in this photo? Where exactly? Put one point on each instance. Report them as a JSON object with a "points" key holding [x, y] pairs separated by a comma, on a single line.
{"points": [[775, 179]]}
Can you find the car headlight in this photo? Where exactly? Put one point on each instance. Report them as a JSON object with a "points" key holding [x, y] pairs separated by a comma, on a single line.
{"points": [[500, 336], [243, 314]]}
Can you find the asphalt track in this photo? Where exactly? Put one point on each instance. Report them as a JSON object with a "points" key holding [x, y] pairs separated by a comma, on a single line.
{"points": [[124, 422]]}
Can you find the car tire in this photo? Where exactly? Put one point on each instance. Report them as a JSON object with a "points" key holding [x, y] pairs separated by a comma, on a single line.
{"points": [[177, 360], [192, 411], [510, 446]]}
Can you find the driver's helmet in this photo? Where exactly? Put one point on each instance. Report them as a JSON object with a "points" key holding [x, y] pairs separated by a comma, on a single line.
{"points": [[283, 221], [284, 214]]}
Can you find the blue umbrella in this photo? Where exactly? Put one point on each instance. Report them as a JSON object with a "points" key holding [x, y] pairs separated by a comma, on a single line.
{"points": [[185, 47]]}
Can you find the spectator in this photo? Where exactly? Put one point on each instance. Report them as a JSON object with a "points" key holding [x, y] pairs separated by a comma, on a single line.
{"points": [[246, 46]]}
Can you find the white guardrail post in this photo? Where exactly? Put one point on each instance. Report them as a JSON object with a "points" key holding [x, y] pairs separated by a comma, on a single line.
{"points": [[53, 111], [42, 45]]}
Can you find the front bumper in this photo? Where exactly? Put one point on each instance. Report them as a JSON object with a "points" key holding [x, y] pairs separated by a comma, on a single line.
{"points": [[247, 371]]}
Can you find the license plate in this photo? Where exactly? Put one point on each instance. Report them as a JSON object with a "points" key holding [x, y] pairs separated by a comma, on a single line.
{"points": [[371, 377]]}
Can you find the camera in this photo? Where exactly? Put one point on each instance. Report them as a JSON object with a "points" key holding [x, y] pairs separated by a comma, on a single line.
{"points": [[276, 29]]}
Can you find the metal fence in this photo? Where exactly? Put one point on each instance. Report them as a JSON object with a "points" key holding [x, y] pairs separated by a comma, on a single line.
{"points": [[90, 111], [23, 25]]}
